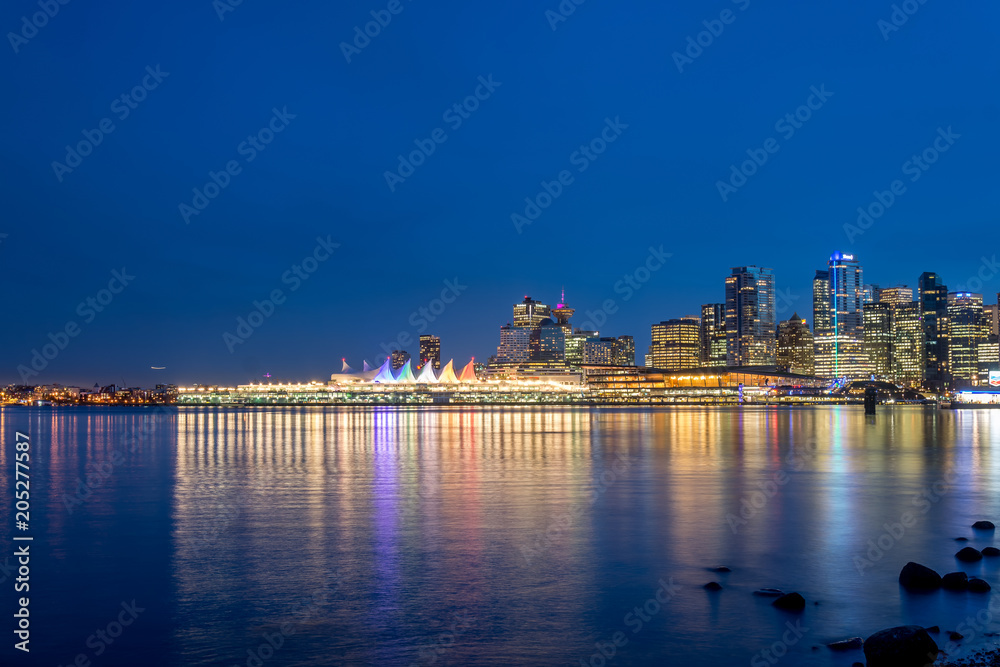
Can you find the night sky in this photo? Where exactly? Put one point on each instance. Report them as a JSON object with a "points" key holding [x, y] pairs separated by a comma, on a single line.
{"points": [[886, 93]]}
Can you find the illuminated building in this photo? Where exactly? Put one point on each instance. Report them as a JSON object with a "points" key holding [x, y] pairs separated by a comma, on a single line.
{"points": [[430, 351], [838, 319], [399, 358], [676, 344], [989, 359], [574, 345], [933, 297], [561, 314], [795, 347], [625, 351], [822, 325], [514, 343], [908, 344], [990, 312], [965, 330], [547, 343], [530, 313], [750, 323], [878, 338], [713, 334], [599, 351], [896, 296]]}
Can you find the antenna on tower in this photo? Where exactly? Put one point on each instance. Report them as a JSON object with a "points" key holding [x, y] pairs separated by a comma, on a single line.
{"points": [[563, 295]]}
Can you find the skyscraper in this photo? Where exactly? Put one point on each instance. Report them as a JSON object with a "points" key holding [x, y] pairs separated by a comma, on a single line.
{"points": [[513, 348], [878, 339], [561, 314], [713, 334], [822, 325], [399, 359], [430, 350], [966, 328], [676, 344], [625, 351], [574, 345], [750, 323], [933, 296], [795, 347], [908, 344], [839, 343], [599, 351], [530, 313], [547, 343]]}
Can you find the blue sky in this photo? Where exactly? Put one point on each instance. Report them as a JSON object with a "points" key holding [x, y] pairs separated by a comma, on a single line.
{"points": [[888, 95]]}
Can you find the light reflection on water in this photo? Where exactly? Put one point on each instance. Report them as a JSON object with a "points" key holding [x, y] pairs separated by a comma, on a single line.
{"points": [[498, 536]]}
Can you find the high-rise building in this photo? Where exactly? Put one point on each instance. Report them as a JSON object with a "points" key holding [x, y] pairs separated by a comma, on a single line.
{"points": [[513, 347], [574, 345], [561, 314], [399, 359], [989, 358], [965, 330], [599, 351], [676, 344], [839, 319], [795, 346], [430, 351], [991, 312], [647, 360], [530, 313], [625, 351], [908, 344], [878, 338], [933, 297], [713, 334], [895, 296], [750, 323], [547, 342]]}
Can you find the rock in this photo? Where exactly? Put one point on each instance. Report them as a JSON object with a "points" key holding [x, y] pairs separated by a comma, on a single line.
{"points": [[904, 646], [969, 555], [991, 551], [721, 568], [919, 577], [955, 581], [933, 628], [712, 586], [984, 525], [790, 602], [847, 644], [769, 592], [961, 539], [955, 636], [978, 586]]}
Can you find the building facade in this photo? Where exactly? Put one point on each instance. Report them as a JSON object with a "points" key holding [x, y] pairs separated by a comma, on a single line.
{"points": [[795, 347], [933, 297], [878, 339], [676, 344], [430, 351], [750, 322], [713, 334], [908, 344], [966, 328]]}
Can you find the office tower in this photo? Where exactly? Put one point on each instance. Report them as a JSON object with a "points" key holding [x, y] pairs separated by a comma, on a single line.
{"points": [[574, 345], [530, 313], [399, 359], [430, 351], [839, 319], [895, 296], [625, 351], [750, 323], [965, 330], [908, 346], [878, 339], [989, 359], [933, 297], [599, 351], [513, 347], [647, 360], [713, 334], [676, 344], [547, 343], [561, 314], [795, 347], [990, 312], [872, 294]]}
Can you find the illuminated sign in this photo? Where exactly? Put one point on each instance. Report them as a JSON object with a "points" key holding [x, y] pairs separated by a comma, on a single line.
{"points": [[995, 378]]}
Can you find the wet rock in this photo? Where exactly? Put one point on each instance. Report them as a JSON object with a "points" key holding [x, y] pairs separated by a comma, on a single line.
{"points": [[904, 646], [955, 636], [991, 551], [955, 581], [969, 555], [847, 644], [721, 568], [919, 577], [790, 602], [769, 592], [712, 586], [933, 628], [961, 539], [984, 525], [978, 586]]}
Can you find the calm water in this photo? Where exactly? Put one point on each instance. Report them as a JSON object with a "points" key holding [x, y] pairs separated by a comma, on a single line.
{"points": [[487, 536]]}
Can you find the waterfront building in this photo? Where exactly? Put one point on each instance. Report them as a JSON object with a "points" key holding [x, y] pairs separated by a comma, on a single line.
{"points": [[513, 347], [625, 351], [676, 344], [750, 320], [547, 343], [908, 346], [713, 335], [822, 325], [399, 358], [430, 351], [838, 300], [600, 351], [795, 347], [933, 297], [878, 339], [573, 345], [965, 330], [989, 359]]}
